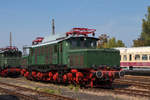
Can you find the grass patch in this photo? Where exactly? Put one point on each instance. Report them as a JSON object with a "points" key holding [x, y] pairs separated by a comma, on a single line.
{"points": [[71, 86], [75, 88], [36, 88], [51, 91]]}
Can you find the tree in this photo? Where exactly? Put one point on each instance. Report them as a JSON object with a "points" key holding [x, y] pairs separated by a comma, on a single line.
{"points": [[104, 42], [120, 43], [138, 42], [112, 43], [103, 38], [144, 39]]}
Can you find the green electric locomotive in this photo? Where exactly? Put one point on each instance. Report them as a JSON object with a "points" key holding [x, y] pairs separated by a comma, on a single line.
{"points": [[73, 58], [10, 61]]}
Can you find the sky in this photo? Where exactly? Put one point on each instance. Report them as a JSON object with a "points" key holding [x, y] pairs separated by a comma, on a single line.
{"points": [[28, 19]]}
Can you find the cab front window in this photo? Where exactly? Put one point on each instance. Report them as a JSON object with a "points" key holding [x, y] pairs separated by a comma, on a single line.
{"points": [[83, 42]]}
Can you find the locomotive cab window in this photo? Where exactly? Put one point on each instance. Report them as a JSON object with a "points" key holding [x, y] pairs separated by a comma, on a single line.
{"points": [[144, 57], [73, 43], [83, 42]]}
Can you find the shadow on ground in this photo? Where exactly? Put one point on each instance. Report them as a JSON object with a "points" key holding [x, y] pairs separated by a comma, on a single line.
{"points": [[121, 85], [8, 97]]}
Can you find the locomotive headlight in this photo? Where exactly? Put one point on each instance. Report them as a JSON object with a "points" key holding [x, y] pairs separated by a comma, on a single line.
{"points": [[99, 74]]}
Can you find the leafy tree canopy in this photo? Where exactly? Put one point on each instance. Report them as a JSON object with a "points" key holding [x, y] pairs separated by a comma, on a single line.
{"points": [[144, 39], [105, 42]]}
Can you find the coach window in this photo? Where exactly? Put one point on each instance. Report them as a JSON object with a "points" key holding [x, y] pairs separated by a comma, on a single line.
{"points": [[137, 57], [144, 57], [130, 57], [125, 57]]}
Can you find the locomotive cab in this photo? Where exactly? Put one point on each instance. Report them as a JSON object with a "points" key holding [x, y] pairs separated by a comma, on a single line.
{"points": [[86, 58]]}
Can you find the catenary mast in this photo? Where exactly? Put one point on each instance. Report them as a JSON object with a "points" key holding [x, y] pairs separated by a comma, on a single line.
{"points": [[53, 27]]}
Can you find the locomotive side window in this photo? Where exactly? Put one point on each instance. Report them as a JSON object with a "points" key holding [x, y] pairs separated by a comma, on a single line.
{"points": [[55, 48], [125, 57], [39, 50], [42, 50], [12, 54], [61, 47], [35, 51], [31, 52], [137, 57], [144, 57]]}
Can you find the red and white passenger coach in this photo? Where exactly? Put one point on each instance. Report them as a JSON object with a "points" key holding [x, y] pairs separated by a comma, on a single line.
{"points": [[135, 57]]}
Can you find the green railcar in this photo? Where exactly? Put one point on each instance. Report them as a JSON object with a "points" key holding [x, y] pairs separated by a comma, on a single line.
{"points": [[72, 53], [64, 58], [10, 61]]}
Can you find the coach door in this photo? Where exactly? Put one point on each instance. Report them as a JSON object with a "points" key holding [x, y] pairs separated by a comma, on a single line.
{"points": [[60, 53]]}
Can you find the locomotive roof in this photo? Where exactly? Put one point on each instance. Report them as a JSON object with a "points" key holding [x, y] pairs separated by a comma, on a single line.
{"points": [[102, 49], [52, 39], [134, 49], [2, 51]]}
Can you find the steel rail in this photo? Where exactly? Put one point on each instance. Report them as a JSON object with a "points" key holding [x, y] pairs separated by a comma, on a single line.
{"points": [[39, 93]]}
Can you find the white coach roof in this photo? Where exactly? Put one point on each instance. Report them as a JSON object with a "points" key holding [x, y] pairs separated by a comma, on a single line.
{"points": [[134, 50]]}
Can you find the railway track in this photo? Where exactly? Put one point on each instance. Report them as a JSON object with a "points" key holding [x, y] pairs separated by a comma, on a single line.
{"points": [[144, 85], [21, 96], [132, 92], [121, 91], [135, 81], [126, 91], [138, 81], [137, 78], [29, 94], [144, 90]]}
